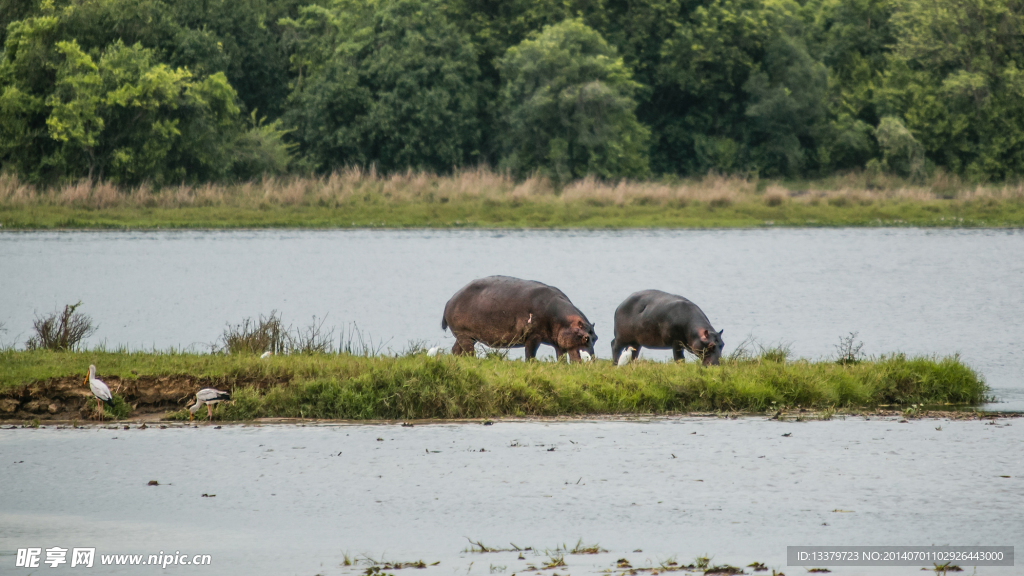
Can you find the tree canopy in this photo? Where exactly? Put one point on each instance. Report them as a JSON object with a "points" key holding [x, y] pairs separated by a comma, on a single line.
{"points": [[210, 90]]}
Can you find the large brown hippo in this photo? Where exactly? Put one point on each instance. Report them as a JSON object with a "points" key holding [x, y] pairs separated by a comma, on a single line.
{"points": [[660, 320], [505, 312]]}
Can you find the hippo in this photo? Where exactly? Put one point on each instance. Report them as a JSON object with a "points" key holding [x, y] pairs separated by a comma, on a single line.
{"points": [[506, 312], [660, 320]]}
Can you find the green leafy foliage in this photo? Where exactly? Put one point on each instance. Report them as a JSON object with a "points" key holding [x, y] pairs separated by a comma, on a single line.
{"points": [[385, 82], [568, 109], [110, 89], [223, 90], [955, 78]]}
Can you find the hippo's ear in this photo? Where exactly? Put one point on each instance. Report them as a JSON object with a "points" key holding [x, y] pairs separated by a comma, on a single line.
{"points": [[720, 332]]}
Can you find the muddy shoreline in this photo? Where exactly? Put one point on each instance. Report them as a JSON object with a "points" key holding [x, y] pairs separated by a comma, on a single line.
{"points": [[68, 398], [153, 399]]}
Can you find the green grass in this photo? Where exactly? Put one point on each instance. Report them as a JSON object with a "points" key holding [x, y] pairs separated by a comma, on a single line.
{"points": [[339, 386], [489, 213]]}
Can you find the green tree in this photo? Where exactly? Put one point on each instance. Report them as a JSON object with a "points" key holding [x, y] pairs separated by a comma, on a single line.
{"points": [[955, 79], [701, 103], [75, 104], [901, 153], [853, 39], [568, 109], [388, 82], [494, 27], [164, 124], [786, 108], [118, 114]]}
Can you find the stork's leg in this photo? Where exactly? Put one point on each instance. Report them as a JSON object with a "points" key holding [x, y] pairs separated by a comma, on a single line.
{"points": [[99, 407], [209, 412]]}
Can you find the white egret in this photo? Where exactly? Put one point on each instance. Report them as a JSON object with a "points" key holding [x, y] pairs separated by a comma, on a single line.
{"points": [[210, 397], [585, 355], [266, 354], [99, 390], [434, 351], [626, 356]]}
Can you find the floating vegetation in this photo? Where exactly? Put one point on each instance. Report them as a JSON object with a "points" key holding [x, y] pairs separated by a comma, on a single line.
{"points": [[556, 561], [481, 548], [582, 548], [723, 569]]}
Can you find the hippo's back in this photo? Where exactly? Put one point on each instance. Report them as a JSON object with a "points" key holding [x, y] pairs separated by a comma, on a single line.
{"points": [[496, 298], [653, 310]]}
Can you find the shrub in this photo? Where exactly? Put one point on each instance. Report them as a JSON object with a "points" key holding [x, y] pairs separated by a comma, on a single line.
{"points": [[61, 330], [267, 334]]}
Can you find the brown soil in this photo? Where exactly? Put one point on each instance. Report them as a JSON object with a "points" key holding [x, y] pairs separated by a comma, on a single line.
{"points": [[68, 398]]}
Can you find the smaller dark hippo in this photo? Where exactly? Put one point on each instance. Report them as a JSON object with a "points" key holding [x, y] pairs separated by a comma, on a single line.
{"points": [[505, 312], [660, 320]]}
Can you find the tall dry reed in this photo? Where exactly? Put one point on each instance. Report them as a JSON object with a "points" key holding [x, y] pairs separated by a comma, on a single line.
{"points": [[357, 184]]}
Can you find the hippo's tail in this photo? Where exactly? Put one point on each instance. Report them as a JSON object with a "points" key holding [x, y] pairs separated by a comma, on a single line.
{"points": [[444, 323]]}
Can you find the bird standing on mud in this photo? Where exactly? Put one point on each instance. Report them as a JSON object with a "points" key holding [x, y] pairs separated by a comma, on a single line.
{"points": [[210, 397], [99, 390], [626, 356]]}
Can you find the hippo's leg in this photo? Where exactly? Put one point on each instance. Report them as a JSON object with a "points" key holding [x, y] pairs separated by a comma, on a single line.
{"points": [[677, 353], [616, 350], [530, 348], [464, 347]]}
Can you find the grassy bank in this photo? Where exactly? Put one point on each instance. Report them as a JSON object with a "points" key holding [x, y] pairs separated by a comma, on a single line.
{"points": [[483, 199], [339, 386]]}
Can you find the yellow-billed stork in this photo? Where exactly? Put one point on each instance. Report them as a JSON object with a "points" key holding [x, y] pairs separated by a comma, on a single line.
{"points": [[99, 390], [209, 397]]}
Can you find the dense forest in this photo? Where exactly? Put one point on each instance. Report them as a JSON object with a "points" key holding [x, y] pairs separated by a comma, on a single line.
{"points": [[133, 91]]}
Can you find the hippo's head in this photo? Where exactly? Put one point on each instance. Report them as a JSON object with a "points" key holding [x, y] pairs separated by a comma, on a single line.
{"points": [[709, 346], [578, 335]]}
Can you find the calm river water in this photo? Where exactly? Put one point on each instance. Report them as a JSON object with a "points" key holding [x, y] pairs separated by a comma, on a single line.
{"points": [[294, 500], [910, 290]]}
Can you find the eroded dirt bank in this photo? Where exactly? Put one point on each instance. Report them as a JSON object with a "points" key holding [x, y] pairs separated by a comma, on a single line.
{"points": [[69, 397]]}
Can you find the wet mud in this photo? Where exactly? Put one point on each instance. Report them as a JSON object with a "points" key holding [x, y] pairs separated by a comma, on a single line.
{"points": [[69, 398]]}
